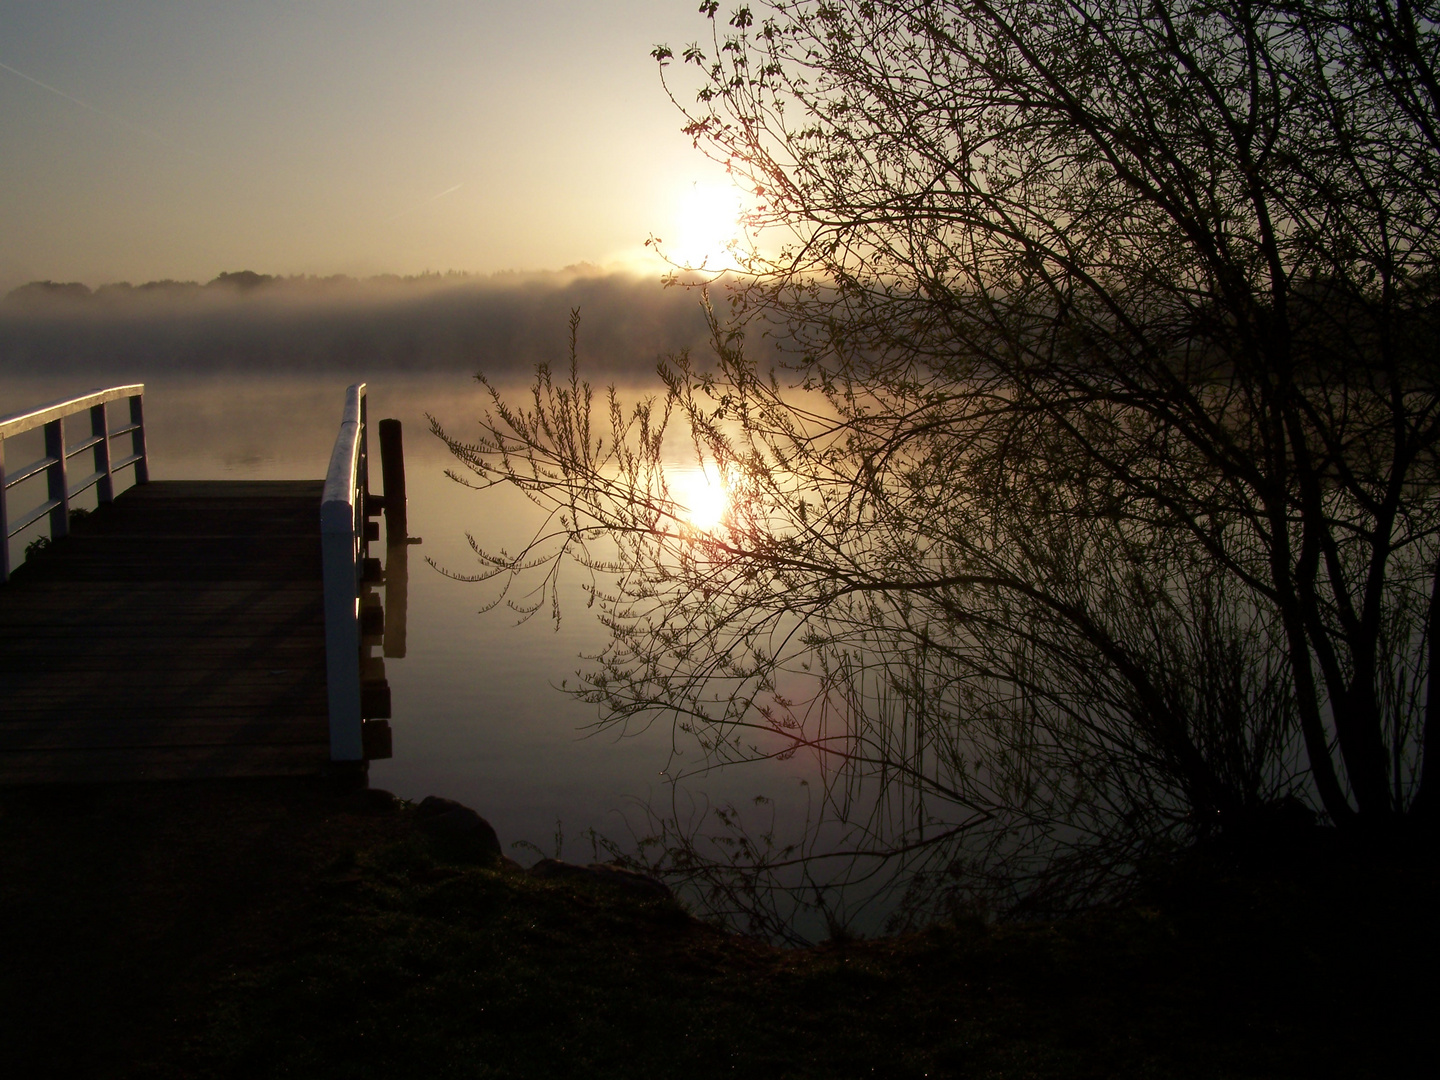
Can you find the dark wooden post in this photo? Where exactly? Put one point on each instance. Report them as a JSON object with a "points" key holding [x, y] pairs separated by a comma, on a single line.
{"points": [[137, 440], [392, 468], [100, 429], [55, 478]]}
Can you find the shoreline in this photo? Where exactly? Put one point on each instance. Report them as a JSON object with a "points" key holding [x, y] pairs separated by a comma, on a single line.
{"points": [[254, 927]]}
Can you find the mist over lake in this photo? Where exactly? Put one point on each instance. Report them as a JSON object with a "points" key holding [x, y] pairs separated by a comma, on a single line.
{"points": [[432, 323]]}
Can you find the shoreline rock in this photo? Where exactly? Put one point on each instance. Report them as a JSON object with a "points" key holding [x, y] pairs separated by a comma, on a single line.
{"points": [[451, 820]]}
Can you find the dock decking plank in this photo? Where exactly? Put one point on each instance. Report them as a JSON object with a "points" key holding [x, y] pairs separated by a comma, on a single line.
{"points": [[107, 764], [179, 632]]}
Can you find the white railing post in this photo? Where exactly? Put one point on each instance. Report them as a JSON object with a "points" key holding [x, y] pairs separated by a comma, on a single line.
{"points": [[342, 532]]}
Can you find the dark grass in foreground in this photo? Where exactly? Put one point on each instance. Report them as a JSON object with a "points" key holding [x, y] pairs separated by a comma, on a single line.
{"points": [[282, 931]]}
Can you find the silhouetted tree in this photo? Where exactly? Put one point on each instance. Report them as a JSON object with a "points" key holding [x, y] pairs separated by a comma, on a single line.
{"points": [[1099, 503], [241, 280]]}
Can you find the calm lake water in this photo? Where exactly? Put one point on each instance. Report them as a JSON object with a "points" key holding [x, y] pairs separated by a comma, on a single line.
{"points": [[477, 713]]}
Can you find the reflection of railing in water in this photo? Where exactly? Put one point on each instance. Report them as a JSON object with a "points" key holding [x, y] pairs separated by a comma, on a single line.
{"points": [[355, 619], [58, 453]]}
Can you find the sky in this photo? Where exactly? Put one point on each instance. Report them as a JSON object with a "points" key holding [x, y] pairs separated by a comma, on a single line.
{"points": [[152, 139]]}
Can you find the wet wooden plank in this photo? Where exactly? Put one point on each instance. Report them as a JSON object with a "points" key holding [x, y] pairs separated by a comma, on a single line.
{"points": [[291, 695], [75, 655], [107, 764], [169, 733], [179, 632], [68, 608]]}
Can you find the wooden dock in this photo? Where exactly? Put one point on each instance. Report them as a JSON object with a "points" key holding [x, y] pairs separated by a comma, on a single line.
{"points": [[179, 631]]}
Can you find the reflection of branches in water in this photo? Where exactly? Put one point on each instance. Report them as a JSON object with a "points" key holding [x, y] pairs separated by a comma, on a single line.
{"points": [[737, 867], [1002, 693], [868, 856], [741, 872], [926, 797]]}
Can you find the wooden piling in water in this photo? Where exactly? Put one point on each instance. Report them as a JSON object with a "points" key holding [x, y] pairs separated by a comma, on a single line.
{"points": [[392, 468]]}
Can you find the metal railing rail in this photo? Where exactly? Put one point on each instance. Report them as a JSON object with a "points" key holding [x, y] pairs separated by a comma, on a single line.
{"points": [[343, 543], [58, 453]]}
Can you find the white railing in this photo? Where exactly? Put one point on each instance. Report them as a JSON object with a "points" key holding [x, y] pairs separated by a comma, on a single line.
{"points": [[58, 453], [343, 548]]}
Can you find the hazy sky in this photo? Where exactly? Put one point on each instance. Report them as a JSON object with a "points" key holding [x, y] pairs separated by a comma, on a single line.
{"points": [[180, 138]]}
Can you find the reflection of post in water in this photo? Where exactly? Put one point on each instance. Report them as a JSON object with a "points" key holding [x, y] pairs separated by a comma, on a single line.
{"points": [[397, 584], [397, 539], [384, 625]]}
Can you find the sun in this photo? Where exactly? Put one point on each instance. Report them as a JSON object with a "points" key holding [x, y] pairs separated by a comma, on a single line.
{"points": [[708, 226], [702, 498]]}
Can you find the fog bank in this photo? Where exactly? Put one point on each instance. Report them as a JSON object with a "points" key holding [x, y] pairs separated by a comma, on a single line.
{"points": [[504, 324]]}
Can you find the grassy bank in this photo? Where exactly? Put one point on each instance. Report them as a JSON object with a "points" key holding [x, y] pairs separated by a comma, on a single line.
{"points": [[274, 929]]}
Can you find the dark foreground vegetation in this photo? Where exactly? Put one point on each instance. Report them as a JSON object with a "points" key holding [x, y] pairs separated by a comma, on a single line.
{"points": [[271, 928]]}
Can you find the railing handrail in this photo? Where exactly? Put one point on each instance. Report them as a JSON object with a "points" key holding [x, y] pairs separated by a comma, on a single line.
{"points": [[342, 544], [17, 423], [338, 503]]}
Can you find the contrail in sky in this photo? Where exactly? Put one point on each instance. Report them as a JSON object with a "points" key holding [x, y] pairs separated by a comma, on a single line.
{"points": [[427, 202], [86, 105]]}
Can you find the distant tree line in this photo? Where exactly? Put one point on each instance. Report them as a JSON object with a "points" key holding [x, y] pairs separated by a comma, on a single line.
{"points": [[40, 294]]}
